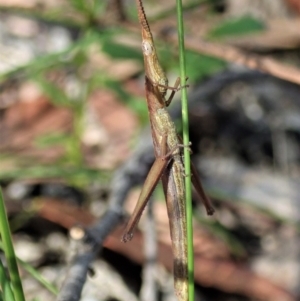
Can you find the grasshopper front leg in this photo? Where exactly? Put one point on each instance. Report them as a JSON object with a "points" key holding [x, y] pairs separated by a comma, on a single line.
{"points": [[198, 186], [151, 181]]}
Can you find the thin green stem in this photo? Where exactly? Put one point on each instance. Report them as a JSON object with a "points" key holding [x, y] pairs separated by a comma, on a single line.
{"points": [[10, 253], [186, 140]]}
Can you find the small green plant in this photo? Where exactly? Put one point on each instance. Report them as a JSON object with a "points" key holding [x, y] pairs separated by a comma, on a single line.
{"points": [[11, 285], [236, 27], [10, 282]]}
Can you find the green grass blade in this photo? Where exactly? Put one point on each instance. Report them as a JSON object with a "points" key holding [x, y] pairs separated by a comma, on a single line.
{"points": [[186, 140], [6, 292], [68, 172], [10, 253], [37, 276]]}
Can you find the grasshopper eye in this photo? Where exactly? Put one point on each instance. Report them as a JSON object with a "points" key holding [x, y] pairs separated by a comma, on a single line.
{"points": [[147, 48]]}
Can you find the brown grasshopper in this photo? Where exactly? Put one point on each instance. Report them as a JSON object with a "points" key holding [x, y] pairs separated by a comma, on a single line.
{"points": [[168, 165]]}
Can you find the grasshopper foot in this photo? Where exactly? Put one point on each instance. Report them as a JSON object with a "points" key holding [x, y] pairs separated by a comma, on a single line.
{"points": [[210, 210], [126, 237]]}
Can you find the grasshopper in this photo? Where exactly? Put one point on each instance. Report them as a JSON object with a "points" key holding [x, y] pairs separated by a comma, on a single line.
{"points": [[168, 165]]}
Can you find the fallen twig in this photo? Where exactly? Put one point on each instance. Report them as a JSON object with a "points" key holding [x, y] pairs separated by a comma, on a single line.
{"points": [[232, 54]]}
